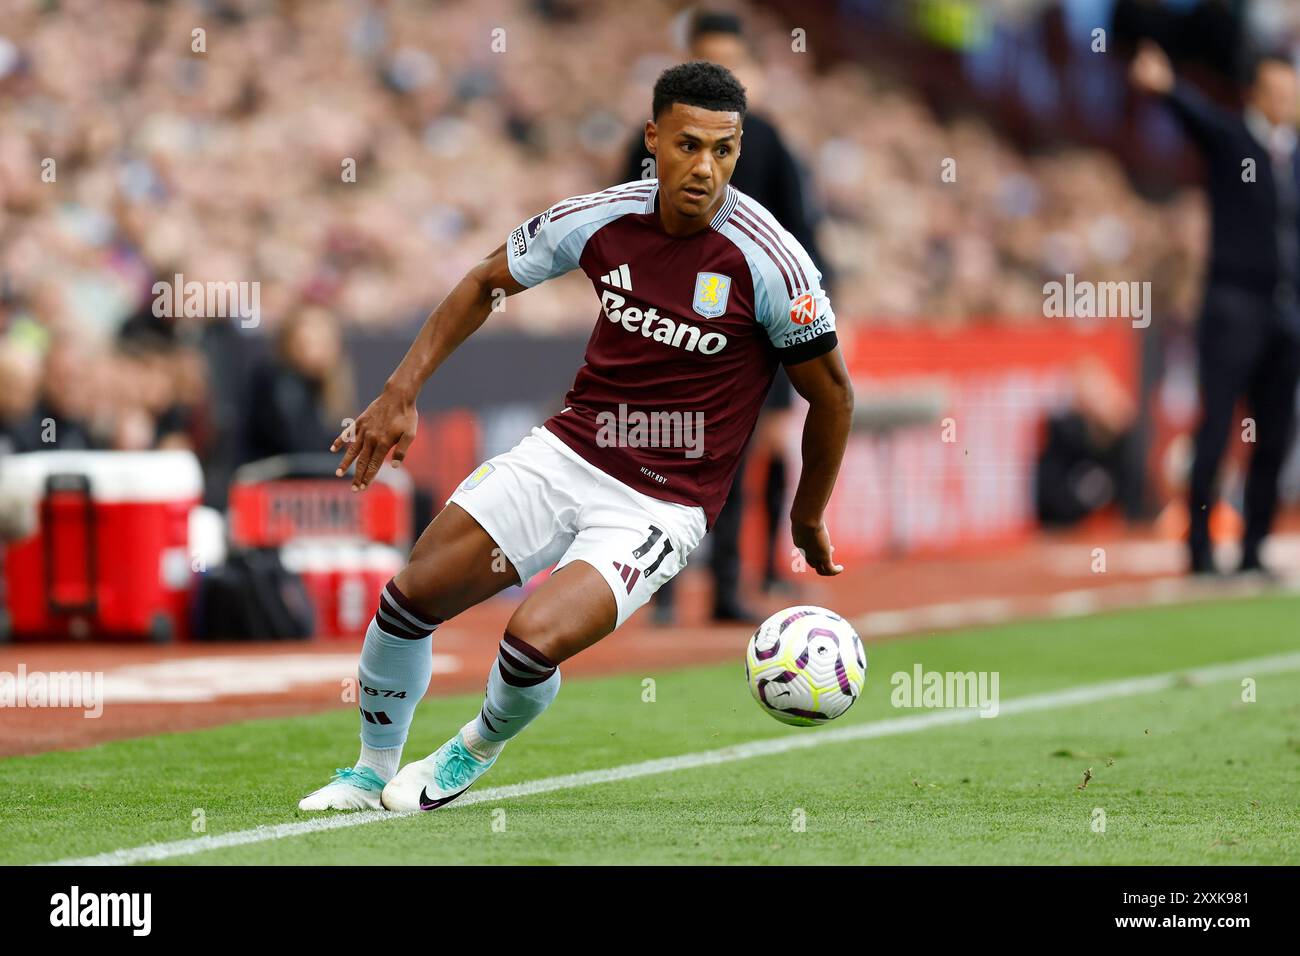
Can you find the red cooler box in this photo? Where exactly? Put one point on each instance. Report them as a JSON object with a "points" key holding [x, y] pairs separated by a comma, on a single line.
{"points": [[108, 551], [344, 578]]}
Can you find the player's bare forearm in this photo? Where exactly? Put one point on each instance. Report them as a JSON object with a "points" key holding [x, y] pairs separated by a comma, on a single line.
{"points": [[390, 421], [825, 435], [825, 383]]}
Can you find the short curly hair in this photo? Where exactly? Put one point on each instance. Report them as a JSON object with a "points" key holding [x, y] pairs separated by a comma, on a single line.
{"points": [[699, 83]]}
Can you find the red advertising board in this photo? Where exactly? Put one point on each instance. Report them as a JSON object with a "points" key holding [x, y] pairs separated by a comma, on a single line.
{"points": [[950, 428]]}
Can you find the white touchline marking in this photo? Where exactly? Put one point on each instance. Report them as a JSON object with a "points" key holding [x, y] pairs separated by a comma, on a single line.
{"points": [[1067, 697]]}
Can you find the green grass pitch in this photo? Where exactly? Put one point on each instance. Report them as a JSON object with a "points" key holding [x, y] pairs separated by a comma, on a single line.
{"points": [[1190, 774]]}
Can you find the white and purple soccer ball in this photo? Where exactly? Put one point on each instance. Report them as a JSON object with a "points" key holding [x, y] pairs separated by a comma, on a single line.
{"points": [[805, 665]]}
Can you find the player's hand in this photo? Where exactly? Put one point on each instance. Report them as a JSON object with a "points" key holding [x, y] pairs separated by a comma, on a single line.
{"points": [[389, 422], [1151, 71], [815, 543]]}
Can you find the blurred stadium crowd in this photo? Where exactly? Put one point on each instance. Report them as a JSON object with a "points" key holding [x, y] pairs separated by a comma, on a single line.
{"points": [[463, 119]]}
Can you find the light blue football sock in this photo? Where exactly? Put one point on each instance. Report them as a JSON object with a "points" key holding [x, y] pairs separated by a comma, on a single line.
{"points": [[521, 684], [396, 664]]}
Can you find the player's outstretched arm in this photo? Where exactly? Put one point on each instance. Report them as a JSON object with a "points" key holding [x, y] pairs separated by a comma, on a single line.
{"points": [[389, 422], [824, 382]]}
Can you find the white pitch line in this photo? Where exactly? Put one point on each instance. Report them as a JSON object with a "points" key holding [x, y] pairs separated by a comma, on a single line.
{"points": [[1067, 697]]}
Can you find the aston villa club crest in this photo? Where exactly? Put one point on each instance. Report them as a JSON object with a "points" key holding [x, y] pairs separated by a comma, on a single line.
{"points": [[476, 478], [711, 292]]}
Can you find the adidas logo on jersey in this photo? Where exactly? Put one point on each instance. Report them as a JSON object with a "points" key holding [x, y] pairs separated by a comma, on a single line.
{"points": [[620, 278], [661, 328]]}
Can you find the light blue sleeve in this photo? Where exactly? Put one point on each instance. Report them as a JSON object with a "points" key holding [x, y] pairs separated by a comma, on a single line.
{"points": [[789, 301], [551, 243], [792, 322]]}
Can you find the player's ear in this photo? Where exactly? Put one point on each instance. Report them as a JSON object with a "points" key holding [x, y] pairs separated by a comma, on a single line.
{"points": [[651, 137]]}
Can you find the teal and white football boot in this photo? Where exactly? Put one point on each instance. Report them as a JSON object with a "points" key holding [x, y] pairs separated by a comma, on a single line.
{"points": [[438, 779], [349, 789]]}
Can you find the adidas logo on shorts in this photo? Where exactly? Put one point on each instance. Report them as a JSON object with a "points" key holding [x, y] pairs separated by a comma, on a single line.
{"points": [[628, 573]]}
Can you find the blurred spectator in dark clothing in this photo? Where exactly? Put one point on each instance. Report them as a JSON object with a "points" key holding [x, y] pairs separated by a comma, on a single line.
{"points": [[1092, 457], [66, 398], [1249, 332], [298, 399], [144, 329], [20, 377], [79, 397], [154, 411]]}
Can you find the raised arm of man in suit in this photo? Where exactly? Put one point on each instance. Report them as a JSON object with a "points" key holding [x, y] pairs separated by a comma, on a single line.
{"points": [[1209, 125]]}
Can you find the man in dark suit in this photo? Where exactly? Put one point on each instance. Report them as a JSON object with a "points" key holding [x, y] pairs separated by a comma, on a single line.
{"points": [[767, 171], [1249, 333]]}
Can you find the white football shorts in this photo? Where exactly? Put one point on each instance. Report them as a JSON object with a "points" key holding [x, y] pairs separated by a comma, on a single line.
{"points": [[543, 505]]}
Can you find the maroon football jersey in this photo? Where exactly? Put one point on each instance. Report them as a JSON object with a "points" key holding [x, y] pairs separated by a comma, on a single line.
{"points": [[690, 332]]}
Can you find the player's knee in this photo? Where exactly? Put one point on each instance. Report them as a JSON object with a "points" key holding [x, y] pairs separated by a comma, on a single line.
{"points": [[422, 589], [539, 629]]}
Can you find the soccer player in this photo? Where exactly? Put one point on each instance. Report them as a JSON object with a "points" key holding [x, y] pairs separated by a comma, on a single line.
{"points": [[702, 294]]}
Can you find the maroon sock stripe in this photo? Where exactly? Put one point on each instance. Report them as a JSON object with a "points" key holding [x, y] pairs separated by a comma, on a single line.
{"points": [[522, 665], [514, 681], [517, 660], [519, 667], [403, 606], [398, 628], [527, 650], [394, 614]]}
